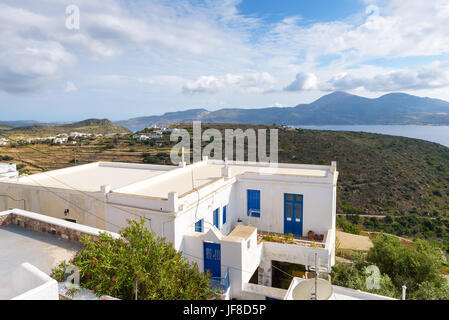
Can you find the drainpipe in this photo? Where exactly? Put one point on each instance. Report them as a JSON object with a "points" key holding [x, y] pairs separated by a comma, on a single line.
{"points": [[404, 290]]}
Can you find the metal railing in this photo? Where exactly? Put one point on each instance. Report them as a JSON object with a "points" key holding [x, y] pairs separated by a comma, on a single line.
{"points": [[220, 283]]}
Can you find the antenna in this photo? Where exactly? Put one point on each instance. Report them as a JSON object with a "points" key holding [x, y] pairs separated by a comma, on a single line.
{"points": [[315, 294]]}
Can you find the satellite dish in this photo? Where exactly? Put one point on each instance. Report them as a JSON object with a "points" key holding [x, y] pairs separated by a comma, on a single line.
{"points": [[305, 290]]}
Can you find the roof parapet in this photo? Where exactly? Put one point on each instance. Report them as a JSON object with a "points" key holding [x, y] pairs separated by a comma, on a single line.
{"points": [[333, 167]]}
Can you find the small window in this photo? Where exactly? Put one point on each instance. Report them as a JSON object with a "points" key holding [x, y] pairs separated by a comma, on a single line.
{"points": [[199, 226], [289, 197], [225, 208], [289, 210], [70, 220], [298, 198], [297, 211]]}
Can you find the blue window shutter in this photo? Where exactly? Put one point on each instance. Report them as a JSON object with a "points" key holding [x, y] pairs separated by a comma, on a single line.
{"points": [[216, 218], [224, 214], [199, 226]]}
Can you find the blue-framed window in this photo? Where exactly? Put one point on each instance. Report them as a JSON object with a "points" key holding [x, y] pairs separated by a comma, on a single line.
{"points": [[199, 226], [216, 218], [253, 201], [225, 208]]}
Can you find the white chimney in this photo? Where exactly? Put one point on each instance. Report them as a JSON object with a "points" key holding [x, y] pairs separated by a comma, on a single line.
{"points": [[333, 167]]}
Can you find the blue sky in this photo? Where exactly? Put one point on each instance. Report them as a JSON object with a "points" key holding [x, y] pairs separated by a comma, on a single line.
{"points": [[310, 11], [142, 57]]}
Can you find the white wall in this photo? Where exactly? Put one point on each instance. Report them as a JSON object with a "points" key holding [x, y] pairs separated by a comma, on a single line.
{"points": [[185, 221], [241, 261], [53, 201], [29, 283], [318, 204]]}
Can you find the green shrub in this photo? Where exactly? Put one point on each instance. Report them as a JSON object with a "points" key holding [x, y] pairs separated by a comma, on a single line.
{"points": [[351, 228], [6, 158], [112, 267]]}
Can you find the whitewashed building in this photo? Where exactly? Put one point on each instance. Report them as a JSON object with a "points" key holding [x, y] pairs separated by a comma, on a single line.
{"points": [[217, 214], [8, 171]]}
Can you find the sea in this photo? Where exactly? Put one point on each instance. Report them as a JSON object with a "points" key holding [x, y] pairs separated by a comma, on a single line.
{"points": [[438, 134]]}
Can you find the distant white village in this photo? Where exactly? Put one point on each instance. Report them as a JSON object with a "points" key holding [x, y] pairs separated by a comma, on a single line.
{"points": [[72, 137]]}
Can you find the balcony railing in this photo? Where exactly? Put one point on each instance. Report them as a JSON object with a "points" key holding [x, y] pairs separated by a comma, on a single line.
{"points": [[220, 283]]}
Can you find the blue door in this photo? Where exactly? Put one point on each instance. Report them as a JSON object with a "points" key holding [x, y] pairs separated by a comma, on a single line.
{"points": [[212, 258], [216, 218], [253, 200], [293, 204]]}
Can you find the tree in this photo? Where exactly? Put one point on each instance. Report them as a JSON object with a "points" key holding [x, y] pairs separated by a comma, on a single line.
{"points": [[408, 266], [112, 267], [419, 268], [355, 276]]}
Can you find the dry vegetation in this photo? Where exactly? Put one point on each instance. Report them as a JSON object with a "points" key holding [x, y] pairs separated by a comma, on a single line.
{"points": [[44, 157]]}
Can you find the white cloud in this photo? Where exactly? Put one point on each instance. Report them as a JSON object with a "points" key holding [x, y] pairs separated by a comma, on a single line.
{"points": [[432, 76], [28, 65], [162, 31], [365, 78], [249, 82], [304, 81], [173, 47]]}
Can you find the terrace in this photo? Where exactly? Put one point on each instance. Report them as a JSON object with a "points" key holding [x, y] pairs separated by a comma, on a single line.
{"points": [[315, 242], [298, 250]]}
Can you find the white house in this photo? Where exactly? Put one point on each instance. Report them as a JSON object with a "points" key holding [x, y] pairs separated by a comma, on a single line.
{"points": [[60, 140], [4, 141], [215, 213], [141, 137], [8, 171]]}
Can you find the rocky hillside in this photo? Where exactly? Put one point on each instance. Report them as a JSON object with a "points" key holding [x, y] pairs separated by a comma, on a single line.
{"points": [[102, 126]]}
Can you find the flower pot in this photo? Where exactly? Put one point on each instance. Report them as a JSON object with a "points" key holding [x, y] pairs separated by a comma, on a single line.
{"points": [[310, 235]]}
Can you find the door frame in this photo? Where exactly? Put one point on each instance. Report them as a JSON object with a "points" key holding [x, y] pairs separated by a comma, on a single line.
{"points": [[290, 225]]}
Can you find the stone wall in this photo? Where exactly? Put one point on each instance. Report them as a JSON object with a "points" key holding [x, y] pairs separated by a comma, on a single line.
{"points": [[42, 226]]}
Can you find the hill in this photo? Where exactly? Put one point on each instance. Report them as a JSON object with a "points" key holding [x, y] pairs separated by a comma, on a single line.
{"points": [[99, 126], [4, 127], [338, 108], [404, 179]]}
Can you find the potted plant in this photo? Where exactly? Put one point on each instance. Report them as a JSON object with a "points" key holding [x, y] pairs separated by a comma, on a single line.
{"points": [[310, 235]]}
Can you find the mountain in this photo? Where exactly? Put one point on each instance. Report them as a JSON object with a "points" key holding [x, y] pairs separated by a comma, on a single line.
{"points": [[102, 126], [167, 119], [337, 108]]}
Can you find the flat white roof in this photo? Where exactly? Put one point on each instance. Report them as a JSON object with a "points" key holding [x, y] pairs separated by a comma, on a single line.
{"points": [[158, 181], [186, 179], [91, 177]]}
